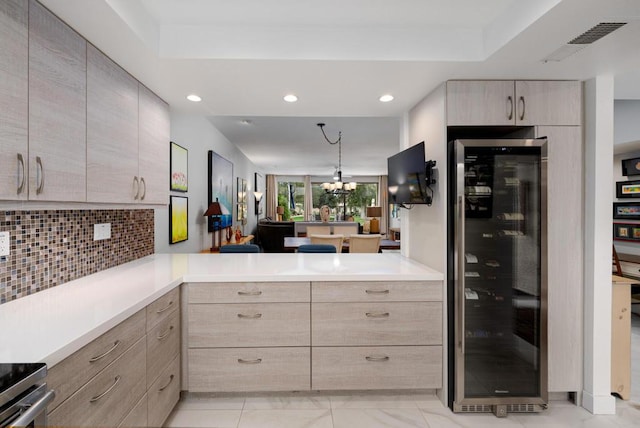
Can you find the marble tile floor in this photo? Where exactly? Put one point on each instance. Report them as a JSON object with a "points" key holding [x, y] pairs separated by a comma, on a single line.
{"points": [[373, 410]]}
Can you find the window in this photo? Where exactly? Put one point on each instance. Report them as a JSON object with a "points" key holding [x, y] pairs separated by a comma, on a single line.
{"points": [[355, 203], [291, 197]]}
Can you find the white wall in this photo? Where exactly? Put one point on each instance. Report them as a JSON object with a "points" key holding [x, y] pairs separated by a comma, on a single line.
{"points": [[625, 120], [198, 136]]}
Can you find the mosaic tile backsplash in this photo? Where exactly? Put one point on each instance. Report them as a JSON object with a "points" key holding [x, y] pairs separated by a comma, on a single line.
{"points": [[51, 247]]}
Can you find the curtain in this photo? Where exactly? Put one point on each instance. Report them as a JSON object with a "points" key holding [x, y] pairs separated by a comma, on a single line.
{"points": [[383, 201], [308, 199], [271, 198]]}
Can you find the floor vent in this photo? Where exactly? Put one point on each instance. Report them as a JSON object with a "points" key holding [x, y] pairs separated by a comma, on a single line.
{"points": [[596, 33]]}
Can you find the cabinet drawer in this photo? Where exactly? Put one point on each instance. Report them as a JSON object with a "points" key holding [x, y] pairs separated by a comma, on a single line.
{"points": [[251, 325], [109, 396], [372, 291], [137, 417], [248, 292], [164, 393], [76, 370], [162, 307], [386, 367], [249, 369], [397, 323], [163, 343]]}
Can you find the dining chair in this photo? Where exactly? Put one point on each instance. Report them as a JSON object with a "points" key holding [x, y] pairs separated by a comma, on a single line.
{"points": [[240, 248], [318, 230], [364, 243], [335, 240], [316, 248], [347, 231]]}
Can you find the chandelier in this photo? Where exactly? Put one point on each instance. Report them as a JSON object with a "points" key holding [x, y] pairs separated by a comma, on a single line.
{"points": [[338, 187]]}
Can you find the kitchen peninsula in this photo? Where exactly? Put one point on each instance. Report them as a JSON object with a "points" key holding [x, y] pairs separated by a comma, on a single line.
{"points": [[249, 322]]}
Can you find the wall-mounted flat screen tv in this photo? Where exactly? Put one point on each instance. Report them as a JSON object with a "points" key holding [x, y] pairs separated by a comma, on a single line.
{"points": [[407, 176]]}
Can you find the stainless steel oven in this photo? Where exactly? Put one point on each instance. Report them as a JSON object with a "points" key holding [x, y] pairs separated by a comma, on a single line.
{"points": [[23, 395]]}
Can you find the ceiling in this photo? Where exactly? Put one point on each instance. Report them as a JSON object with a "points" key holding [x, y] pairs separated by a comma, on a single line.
{"points": [[339, 57]]}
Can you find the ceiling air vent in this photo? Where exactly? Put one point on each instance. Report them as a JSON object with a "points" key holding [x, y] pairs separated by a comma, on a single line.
{"points": [[596, 33], [583, 40]]}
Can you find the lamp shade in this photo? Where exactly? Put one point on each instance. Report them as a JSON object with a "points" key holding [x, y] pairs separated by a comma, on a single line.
{"points": [[280, 210], [214, 209], [374, 211], [258, 196]]}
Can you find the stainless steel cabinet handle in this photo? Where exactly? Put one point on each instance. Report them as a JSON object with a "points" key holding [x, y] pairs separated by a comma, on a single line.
{"points": [[249, 293], [168, 383], [137, 186], [162, 336], [376, 291], [40, 188], [374, 358], [460, 283], [159, 311], [252, 316], [25, 419], [144, 188], [377, 314], [510, 107], [99, 396], [256, 361], [99, 357], [521, 99], [24, 173]]}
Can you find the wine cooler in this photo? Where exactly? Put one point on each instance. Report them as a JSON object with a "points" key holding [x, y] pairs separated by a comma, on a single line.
{"points": [[498, 276]]}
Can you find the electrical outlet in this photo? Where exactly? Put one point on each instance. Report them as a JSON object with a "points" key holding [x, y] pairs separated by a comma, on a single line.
{"points": [[101, 231], [5, 241]]}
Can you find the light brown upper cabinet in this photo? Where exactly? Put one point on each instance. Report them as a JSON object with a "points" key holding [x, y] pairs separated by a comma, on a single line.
{"points": [[57, 108], [508, 103], [153, 149], [112, 131], [14, 90]]}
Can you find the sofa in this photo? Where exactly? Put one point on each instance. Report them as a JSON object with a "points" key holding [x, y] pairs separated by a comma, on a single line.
{"points": [[271, 235], [301, 226]]}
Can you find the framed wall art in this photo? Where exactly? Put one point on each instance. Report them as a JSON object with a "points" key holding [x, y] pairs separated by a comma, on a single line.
{"points": [[220, 187], [631, 166], [242, 201], [179, 168], [628, 189], [626, 210], [178, 219], [626, 232]]}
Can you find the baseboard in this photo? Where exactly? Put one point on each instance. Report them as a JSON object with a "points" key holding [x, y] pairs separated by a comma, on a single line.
{"points": [[599, 404]]}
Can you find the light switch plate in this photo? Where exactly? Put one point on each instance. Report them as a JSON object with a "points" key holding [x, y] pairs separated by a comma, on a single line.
{"points": [[5, 240], [101, 231]]}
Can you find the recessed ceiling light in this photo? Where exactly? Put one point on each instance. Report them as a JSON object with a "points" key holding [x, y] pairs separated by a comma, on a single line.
{"points": [[194, 98], [246, 122], [290, 98], [386, 98]]}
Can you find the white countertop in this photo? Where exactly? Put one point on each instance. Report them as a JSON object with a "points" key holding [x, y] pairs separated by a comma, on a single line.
{"points": [[50, 325]]}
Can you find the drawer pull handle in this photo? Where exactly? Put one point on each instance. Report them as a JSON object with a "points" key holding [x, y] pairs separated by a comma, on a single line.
{"points": [[162, 336], [24, 173], [252, 316], [256, 361], [99, 357], [159, 311], [168, 383], [41, 185], [99, 396], [376, 291], [377, 314], [249, 293], [137, 184], [380, 358]]}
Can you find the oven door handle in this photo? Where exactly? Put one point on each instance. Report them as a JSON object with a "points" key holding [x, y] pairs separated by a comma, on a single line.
{"points": [[34, 410]]}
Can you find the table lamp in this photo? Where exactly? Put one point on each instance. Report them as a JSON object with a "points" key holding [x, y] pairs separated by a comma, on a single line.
{"points": [[214, 211], [374, 212]]}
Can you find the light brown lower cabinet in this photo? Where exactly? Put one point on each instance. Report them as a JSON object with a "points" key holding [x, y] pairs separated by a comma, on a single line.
{"points": [[249, 369], [164, 393], [381, 367], [137, 417], [107, 398], [124, 378]]}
